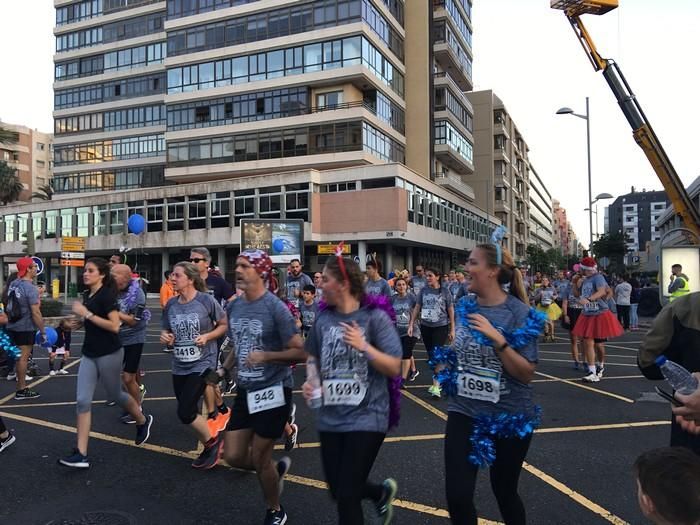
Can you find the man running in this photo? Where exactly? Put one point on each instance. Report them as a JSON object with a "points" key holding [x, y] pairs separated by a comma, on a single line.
{"points": [[296, 280], [375, 284], [418, 281], [265, 341]]}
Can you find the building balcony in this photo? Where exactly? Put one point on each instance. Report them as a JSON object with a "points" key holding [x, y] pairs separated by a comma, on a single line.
{"points": [[455, 184], [452, 157], [461, 73], [444, 79]]}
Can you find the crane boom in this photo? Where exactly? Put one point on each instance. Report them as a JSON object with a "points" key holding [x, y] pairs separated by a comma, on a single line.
{"points": [[642, 131]]}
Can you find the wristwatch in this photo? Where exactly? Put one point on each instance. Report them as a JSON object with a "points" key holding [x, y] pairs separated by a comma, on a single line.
{"points": [[88, 315], [501, 348]]}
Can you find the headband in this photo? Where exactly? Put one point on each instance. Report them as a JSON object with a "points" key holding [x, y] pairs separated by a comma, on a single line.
{"points": [[496, 238], [341, 263], [259, 260]]}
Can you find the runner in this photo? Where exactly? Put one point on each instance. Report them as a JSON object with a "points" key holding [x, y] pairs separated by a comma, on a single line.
{"points": [[403, 304], [6, 437], [102, 358], [318, 282], [192, 322], [296, 280], [418, 281], [437, 319], [596, 323], [376, 285], [357, 349], [265, 342], [572, 310], [133, 318], [545, 297], [166, 293], [308, 309], [491, 414]]}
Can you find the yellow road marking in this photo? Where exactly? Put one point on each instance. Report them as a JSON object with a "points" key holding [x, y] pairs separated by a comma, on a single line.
{"points": [[301, 480], [569, 361], [607, 378], [430, 408], [576, 496], [628, 356], [36, 382], [586, 387], [611, 426]]}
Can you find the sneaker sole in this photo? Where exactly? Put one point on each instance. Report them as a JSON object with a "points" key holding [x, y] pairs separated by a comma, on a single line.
{"points": [[148, 429], [389, 504], [212, 465], [20, 398], [7, 443], [74, 465]]}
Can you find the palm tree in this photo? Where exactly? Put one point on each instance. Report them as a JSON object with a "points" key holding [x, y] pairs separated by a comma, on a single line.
{"points": [[44, 193], [10, 186]]}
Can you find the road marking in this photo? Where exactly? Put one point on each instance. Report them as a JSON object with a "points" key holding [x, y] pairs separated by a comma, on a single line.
{"points": [[621, 347], [569, 361], [35, 382], [606, 354], [577, 497], [301, 480], [607, 378], [586, 387], [611, 426]]}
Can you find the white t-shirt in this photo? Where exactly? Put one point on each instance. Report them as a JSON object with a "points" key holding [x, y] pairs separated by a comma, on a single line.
{"points": [[623, 291]]}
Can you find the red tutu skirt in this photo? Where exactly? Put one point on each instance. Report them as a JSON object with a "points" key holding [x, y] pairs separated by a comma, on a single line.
{"points": [[602, 326]]}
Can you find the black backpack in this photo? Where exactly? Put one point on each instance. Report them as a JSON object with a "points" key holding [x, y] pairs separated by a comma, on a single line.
{"points": [[13, 308]]}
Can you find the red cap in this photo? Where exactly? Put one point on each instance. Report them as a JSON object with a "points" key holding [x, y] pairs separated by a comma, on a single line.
{"points": [[23, 265]]}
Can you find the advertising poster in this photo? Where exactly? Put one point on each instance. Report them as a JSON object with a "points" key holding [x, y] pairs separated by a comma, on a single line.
{"points": [[282, 240]]}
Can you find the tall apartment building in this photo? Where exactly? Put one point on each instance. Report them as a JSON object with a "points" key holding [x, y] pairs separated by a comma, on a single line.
{"points": [[541, 213], [501, 176], [561, 228], [203, 113], [637, 215], [31, 156]]}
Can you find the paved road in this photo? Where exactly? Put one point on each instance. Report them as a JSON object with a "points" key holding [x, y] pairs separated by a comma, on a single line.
{"points": [[578, 468]]}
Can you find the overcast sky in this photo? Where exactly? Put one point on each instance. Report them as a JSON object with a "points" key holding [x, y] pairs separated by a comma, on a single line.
{"points": [[528, 54]]}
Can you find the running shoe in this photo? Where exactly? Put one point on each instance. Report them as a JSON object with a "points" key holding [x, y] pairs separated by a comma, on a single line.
{"points": [[143, 432], [414, 374], [52, 373], [26, 393], [127, 419], [576, 365], [283, 466], [110, 403], [222, 420], [213, 425], [434, 391], [75, 460], [385, 507], [230, 387], [209, 457], [63, 372], [142, 392], [11, 376], [291, 440], [292, 414], [600, 371], [592, 377], [275, 517], [6, 442]]}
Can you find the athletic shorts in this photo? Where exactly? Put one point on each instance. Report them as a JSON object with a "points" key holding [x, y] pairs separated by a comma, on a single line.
{"points": [[132, 357], [21, 338], [407, 345], [267, 424], [573, 314]]}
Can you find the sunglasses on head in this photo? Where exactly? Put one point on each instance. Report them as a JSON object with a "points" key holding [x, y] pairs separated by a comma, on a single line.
{"points": [[196, 260]]}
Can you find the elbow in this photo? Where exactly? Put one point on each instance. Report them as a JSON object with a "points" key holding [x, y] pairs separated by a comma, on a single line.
{"points": [[395, 367]]}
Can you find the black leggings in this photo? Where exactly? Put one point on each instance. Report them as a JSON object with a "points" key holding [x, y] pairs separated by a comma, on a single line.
{"points": [[188, 390], [3, 429], [434, 336], [460, 473], [347, 460], [623, 315]]}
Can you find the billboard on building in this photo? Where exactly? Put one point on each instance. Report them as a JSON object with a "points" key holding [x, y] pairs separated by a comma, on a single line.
{"points": [[283, 240], [689, 259]]}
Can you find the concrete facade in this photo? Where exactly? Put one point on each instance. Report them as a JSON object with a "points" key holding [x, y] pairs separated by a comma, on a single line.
{"points": [[31, 156], [637, 215], [541, 212]]}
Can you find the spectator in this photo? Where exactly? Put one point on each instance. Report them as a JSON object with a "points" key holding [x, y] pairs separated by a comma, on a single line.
{"points": [[167, 291], [675, 333], [668, 486], [634, 302], [623, 293], [679, 283], [296, 280]]}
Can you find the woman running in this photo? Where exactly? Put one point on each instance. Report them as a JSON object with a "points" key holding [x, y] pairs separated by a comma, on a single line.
{"points": [[357, 349], [596, 323], [403, 304], [192, 323], [572, 310], [102, 358], [491, 414], [437, 319], [545, 299]]}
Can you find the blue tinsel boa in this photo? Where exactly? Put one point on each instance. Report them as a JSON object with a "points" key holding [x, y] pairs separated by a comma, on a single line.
{"points": [[130, 299], [489, 427], [13, 352]]}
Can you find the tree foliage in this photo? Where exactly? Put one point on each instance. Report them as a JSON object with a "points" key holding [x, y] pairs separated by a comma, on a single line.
{"points": [[10, 186], [614, 247], [44, 193], [548, 261]]}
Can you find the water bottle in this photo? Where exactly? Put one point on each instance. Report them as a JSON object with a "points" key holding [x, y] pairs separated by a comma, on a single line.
{"points": [[678, 377], [313, 378]]}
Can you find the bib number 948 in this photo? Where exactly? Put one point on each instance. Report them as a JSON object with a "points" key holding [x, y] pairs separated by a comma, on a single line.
{"points": [[265, 398]]}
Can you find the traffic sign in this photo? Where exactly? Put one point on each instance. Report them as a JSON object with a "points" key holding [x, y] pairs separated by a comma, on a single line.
{"points": [[604, 262], [73, 262], [73, 244], [329, 249], [72, 255], [39, 265]]}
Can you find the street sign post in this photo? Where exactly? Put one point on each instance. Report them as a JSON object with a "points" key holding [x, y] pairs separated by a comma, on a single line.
{"points": [[39, 265], [72, 254]]}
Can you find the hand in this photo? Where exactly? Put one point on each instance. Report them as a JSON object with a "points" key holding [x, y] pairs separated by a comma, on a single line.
{"points": [[307, 391], [451, 336], [688, 416], [479, 323], [79, 309], [167, 338], [353, 336], [567, 320], [410, 329], [256, 358], [201, 340], [583, 300]]}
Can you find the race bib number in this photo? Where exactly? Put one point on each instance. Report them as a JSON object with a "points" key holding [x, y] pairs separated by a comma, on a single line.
{"points": [[187, 353], [61, 350], [591, 307], [478, 383], [265, 398], [348, 392]]}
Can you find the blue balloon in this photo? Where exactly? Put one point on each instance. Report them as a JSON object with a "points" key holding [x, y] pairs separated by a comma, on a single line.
{"points": [[137, 224], [278, 245], [51, 337]]}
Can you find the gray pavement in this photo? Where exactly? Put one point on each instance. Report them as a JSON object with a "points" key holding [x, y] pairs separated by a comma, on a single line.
{"points": [[579, 468]]}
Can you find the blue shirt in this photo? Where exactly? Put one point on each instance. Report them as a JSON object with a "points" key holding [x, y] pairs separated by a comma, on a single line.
{"points": [[591, 285]]}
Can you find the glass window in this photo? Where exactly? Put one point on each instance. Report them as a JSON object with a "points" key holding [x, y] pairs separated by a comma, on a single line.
{"points": [[67, 222]]}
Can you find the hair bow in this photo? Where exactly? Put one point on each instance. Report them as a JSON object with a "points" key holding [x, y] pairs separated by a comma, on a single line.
{"points": [[496, 238]]}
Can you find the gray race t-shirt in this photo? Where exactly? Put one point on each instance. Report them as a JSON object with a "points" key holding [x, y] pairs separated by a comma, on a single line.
{"points": [[403, 306], [378, 287], [623, 293], [418, 283], [338, 360], [27, 295], [188, 321], [514, 395], [591, 285], [295, 285], [263, 325], [131, 335], [434, 303], [308, 314]]}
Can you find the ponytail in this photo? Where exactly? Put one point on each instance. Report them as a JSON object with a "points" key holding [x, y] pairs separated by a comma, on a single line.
{"points": [[508, 273]]}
